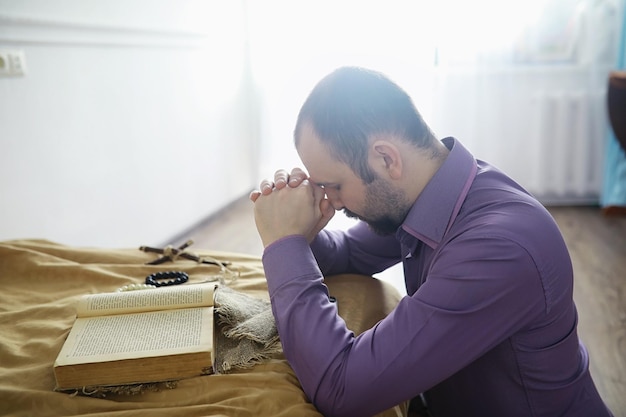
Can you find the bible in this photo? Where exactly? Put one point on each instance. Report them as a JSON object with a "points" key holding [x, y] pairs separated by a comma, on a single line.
{"points": [[136, 337]]}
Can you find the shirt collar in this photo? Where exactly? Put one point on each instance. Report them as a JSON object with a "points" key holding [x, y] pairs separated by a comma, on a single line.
{"points": [[438, 204]]}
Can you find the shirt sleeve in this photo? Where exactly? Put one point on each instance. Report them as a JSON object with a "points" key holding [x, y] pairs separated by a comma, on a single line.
{"points": [[358, 250], [469, 303]]}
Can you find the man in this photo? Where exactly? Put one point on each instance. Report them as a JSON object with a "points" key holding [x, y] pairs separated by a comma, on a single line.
{"points": [[489, 324]]}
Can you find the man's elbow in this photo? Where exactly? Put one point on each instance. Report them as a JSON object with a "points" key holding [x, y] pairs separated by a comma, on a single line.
{"points": [[337, 403]]}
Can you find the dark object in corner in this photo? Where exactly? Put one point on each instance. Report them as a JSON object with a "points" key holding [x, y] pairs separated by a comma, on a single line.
{"points": [[617, 105], [616, 98]]}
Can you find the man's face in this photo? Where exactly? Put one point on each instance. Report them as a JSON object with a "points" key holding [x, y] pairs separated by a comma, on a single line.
{"points": [[382, 206], [385, 207]]}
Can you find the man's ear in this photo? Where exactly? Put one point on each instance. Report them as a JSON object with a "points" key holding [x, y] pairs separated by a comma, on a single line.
{"points": [[386, 156]]}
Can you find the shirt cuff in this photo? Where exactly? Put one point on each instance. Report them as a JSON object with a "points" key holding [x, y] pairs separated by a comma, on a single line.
{"points": [[287, 259]]}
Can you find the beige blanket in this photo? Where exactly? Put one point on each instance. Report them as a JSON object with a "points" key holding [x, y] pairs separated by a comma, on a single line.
{"points": [[40, 282]]}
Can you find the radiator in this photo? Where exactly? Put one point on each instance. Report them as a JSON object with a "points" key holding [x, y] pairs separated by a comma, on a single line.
{"points": [[568, 142]]}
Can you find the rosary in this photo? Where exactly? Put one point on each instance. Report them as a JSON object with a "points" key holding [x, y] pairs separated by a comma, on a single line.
{"points": [[169, 278]]}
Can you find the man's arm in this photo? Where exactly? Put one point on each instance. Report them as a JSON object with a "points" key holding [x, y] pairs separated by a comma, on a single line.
{"points": [[460, 313], [357, 250]]}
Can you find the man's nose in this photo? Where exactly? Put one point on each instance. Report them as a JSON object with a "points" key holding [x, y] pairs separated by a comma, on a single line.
{"points": [[334, 199]]}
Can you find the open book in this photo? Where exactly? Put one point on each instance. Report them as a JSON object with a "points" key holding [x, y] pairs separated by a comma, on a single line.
{"points": [[131, 337]]}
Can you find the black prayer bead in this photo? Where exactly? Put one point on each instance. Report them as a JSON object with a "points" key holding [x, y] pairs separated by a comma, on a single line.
{"points": [[179, 277]]}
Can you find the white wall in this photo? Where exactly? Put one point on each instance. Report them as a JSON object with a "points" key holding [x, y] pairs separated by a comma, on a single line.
{"points": [[132, 123]]}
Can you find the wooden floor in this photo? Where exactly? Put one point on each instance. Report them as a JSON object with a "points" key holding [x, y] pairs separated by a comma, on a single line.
{"points": [[597, 244]]}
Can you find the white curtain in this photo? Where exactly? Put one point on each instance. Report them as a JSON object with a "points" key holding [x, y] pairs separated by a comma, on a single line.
{"points": [[521, 83]]}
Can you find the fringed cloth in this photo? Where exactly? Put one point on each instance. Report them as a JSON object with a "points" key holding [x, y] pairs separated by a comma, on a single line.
{"points": [[245, 331]]}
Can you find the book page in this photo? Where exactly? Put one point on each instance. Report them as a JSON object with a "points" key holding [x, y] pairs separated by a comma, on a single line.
{"points": [[125, 336], [180, 296]]}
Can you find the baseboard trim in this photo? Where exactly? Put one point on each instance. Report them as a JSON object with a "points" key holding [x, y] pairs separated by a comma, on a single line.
{"points": [[183, 236]]}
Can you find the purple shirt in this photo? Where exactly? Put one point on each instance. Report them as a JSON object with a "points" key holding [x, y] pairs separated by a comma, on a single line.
{"points": [[489, 324]]}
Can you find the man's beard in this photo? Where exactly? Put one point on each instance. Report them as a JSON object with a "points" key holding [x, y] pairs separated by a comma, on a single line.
{"points": [[385, 208]]}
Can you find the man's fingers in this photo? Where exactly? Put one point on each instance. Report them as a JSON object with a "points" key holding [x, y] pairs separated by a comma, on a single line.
{"points": [[328, 211], [254, 195], [281, 177], [266, 187], [296, 177]]}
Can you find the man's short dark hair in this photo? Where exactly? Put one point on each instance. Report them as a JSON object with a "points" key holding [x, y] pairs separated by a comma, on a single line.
{"points": [[352, 105]]}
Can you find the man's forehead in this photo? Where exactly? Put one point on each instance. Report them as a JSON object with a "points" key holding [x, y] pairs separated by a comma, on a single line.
{"points": [[319, 160], [320, 174], [331, 172]]}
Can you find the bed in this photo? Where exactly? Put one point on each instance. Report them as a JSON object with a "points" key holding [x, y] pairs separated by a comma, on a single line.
{"points": [[41, 282]]}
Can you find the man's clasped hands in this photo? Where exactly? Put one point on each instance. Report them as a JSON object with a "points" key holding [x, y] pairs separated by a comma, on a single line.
{"points": [[291, 204]]}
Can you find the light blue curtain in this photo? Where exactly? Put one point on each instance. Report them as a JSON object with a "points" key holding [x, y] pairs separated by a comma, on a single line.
{"points": [[614, 189]]}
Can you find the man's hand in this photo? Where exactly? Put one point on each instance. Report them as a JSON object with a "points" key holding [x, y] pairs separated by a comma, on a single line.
{"points": [[271, 220], [287, 211]]}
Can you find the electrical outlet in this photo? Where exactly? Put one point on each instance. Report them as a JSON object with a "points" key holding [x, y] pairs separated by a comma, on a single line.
{"points": [[12, 63]]}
